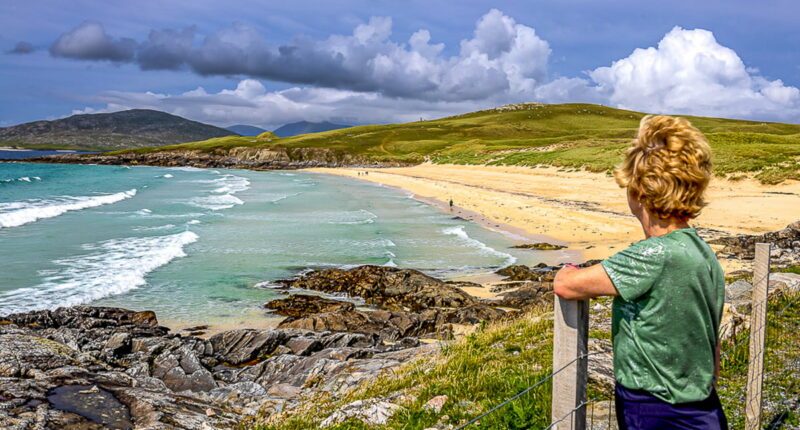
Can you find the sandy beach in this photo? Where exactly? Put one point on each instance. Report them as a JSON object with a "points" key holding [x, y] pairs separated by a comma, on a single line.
{"points": [[587, 211]]}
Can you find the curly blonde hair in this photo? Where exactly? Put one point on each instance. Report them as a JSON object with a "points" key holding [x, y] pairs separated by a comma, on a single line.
{"points": [[667, 167]]}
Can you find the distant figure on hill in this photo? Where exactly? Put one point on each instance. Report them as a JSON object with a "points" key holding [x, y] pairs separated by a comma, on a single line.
{"points": [[451, 205], [669, 288]]}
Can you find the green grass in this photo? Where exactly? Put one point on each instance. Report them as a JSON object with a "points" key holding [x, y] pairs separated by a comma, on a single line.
{"points": [[501, 359], [572, 135], [476, 373]]}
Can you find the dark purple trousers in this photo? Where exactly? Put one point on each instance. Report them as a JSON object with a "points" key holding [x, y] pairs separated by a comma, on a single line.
{"points": [[640, 410]]}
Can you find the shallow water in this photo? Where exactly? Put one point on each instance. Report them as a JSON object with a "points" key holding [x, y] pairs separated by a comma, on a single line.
{"points": [[199, 245]]}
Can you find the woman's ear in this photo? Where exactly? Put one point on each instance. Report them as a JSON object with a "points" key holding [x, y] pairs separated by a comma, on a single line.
{"points": [[635, 205]]}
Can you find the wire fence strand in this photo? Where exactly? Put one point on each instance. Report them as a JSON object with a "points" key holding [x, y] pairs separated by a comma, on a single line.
{"points": [[523, 392]]}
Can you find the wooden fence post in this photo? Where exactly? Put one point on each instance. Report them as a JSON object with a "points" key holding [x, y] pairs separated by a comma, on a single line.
{"points": [[570, 342], [758, 329]]}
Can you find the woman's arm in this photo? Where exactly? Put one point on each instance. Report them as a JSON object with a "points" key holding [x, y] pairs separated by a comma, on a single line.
{"points": [[577, 284]]}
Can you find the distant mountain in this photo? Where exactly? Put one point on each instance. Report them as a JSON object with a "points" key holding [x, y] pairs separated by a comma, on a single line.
{"points": [[304, 127], [119, 130], [245, 130]]}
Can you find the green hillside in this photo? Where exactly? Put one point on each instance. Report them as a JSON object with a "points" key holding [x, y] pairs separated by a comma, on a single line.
{"points": [[566, 135]]}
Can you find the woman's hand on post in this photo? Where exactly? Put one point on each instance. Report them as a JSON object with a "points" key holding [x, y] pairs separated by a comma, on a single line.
{"points": [[572, 283]]}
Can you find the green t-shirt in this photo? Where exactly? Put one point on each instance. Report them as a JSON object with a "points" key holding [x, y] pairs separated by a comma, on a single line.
{"points": [[665, 320]]}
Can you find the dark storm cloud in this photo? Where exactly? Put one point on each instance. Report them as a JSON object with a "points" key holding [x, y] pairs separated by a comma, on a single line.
{"points": [[166, 49], [22, 48], [502, 57], [89, 41]]}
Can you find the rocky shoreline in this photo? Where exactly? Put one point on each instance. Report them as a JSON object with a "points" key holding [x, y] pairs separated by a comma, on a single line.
{"points": [[273, 158], [97, 367]]}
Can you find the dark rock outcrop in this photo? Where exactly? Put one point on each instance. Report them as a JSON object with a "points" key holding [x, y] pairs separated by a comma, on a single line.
{"points": [[525, 297], [322, 314], [300, 305], [521, 272], [540, 246], [389, 288], [255, 158], [131, 370], [785, 245]]}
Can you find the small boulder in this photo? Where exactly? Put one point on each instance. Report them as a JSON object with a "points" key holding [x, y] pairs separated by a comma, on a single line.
{"points": [[373, 412], [435, 404]]}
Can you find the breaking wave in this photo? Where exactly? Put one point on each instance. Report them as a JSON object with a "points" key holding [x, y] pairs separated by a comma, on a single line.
{"points": [[27, 212], [113, 267], [459, 232]]}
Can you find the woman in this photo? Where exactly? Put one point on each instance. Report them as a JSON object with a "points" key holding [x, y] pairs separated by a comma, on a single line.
{"points": [[669, 288]]}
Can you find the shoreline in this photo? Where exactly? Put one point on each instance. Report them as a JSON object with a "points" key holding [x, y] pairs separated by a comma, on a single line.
{"points": [[587, 211], [516, 234]]}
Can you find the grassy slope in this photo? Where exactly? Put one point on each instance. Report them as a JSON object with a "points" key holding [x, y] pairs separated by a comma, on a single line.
{"points": [[581, 135], [503, 358]]}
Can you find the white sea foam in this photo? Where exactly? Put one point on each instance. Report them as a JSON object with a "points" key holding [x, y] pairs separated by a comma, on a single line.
{"points": [[231, 184], [216, 202], [155, 228], [34, 210], [194, 221], [284, 197], [390, 256], [23, 179], [112, 267], [354, 218], [459, 232], [168, 176], [223, 195]]}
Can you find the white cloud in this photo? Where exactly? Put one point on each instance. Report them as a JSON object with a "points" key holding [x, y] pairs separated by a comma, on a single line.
{"points": [[250, 103], [366, 77], [689, 72]]}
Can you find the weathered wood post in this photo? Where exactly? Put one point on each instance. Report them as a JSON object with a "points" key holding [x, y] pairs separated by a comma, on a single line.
{"points": [[758, 329], [570, 342]]}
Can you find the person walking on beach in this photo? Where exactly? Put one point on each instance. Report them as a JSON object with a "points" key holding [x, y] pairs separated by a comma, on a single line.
{"points": [[451, 205], [668, 289]]}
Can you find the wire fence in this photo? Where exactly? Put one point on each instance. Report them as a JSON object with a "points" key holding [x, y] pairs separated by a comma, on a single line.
{"points": [[779, 401], [779, 381]]}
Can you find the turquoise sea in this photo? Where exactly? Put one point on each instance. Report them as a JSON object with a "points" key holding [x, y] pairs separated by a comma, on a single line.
{"points": [[198, 245]]}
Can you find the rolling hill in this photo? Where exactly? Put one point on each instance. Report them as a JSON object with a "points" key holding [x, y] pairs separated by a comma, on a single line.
{"points": [[107, 131], [305, 127], [571, 135]]}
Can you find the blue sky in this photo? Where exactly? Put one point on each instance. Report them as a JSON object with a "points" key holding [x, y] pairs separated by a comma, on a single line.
{"points": [[269, 63]]}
